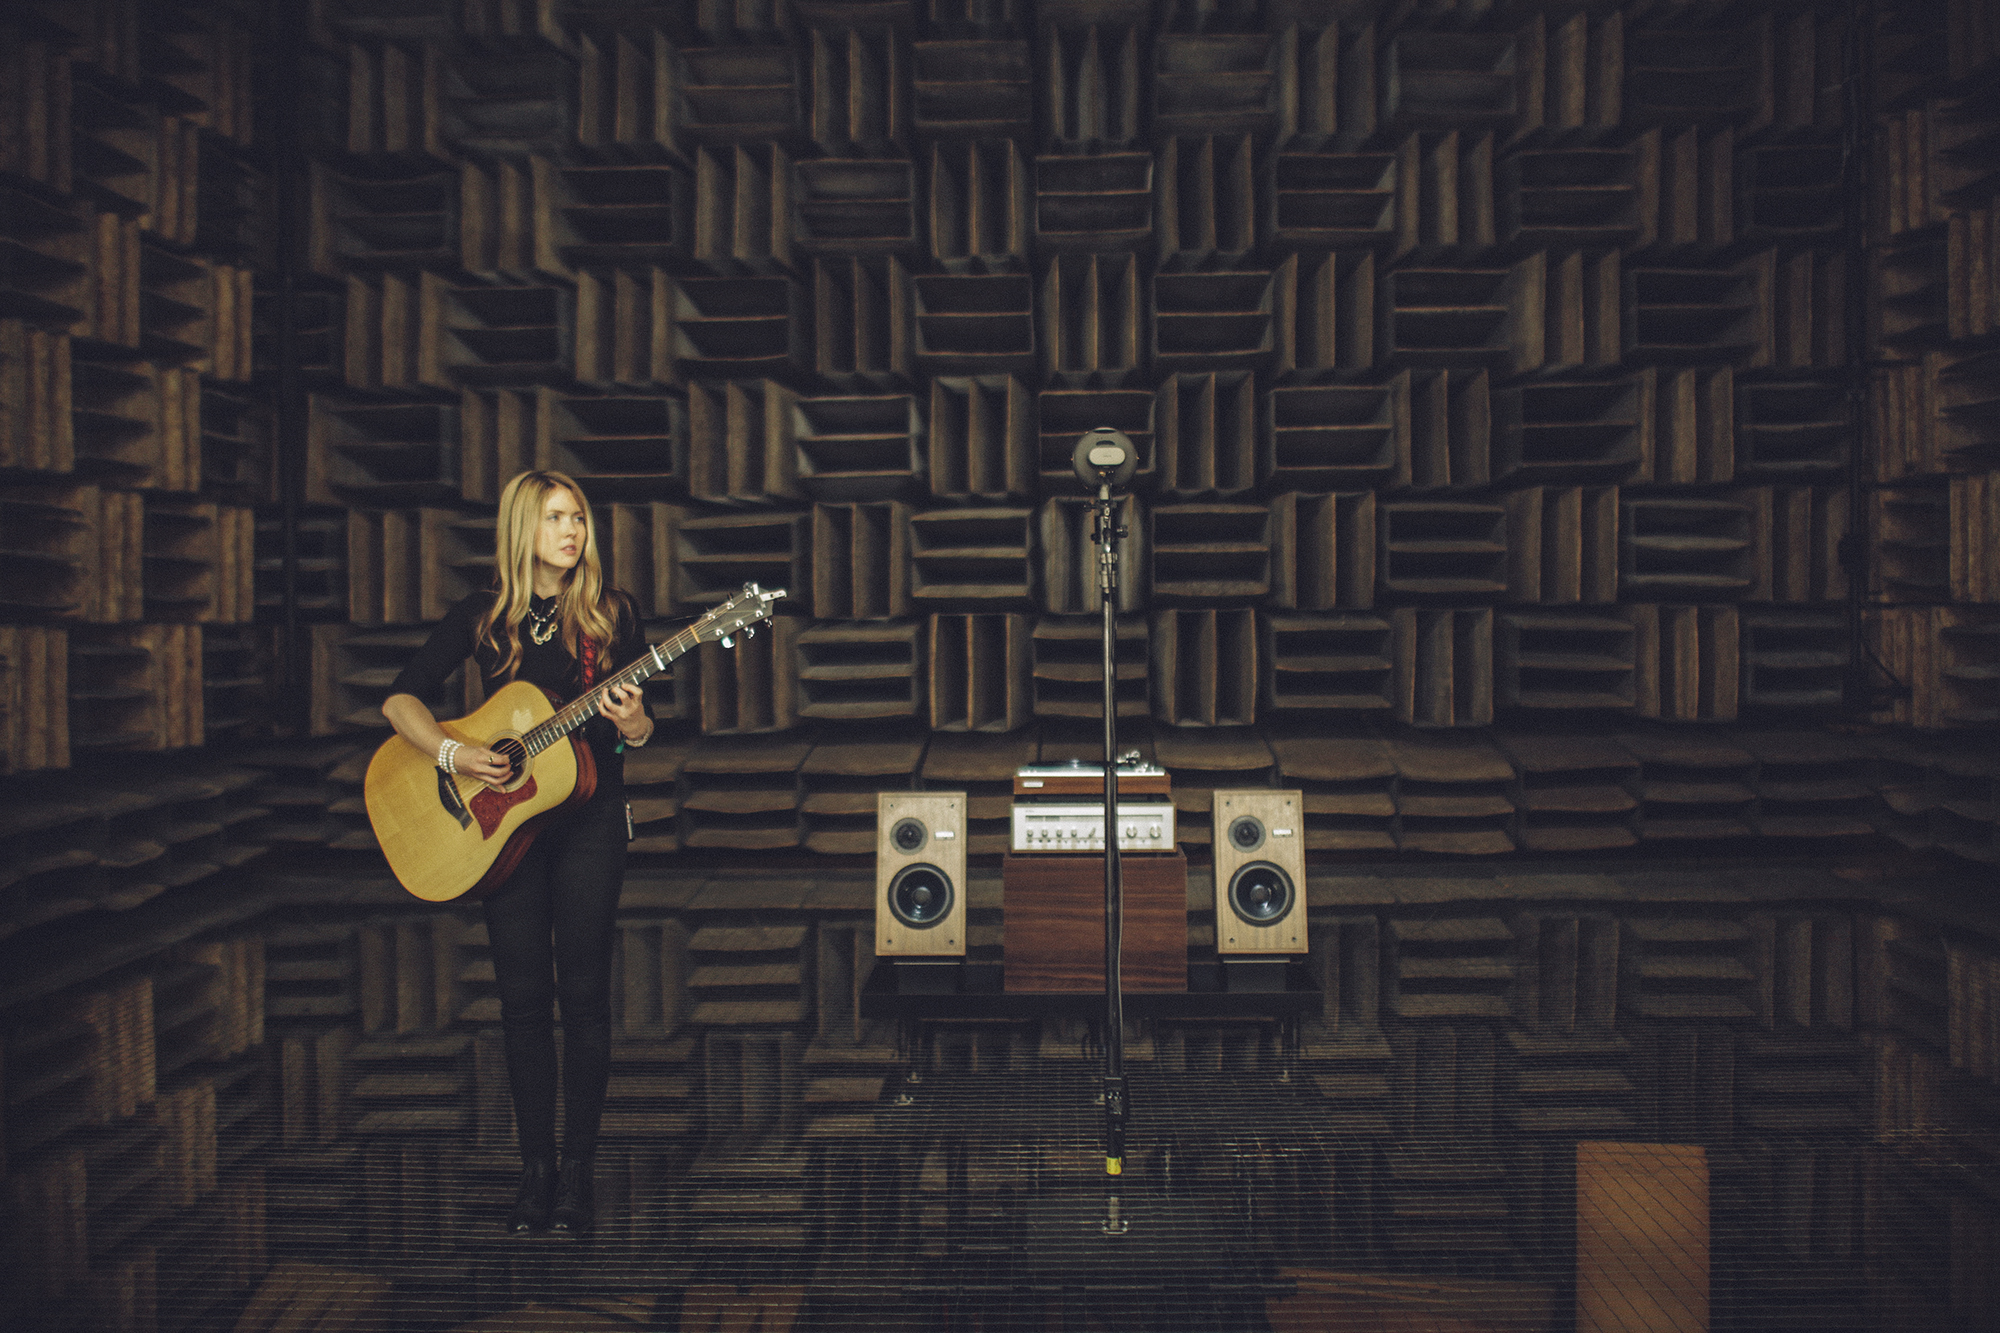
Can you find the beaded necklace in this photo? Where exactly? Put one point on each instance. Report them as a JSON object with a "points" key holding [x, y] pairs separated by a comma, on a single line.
{"points": [[541, 629]]}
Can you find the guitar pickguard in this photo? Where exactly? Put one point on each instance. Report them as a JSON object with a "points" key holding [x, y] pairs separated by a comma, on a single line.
{"points": [[490, 807]]}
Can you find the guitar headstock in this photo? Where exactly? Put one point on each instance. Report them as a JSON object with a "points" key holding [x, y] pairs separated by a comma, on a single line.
{"points": [[742, 613]]}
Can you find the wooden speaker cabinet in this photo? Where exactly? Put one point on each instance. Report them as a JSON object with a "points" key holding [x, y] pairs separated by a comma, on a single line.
{"points": [[1053, 918], [1260, 872], [920, 874]]}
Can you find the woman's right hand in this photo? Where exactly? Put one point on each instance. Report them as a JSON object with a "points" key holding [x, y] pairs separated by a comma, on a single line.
{"points": [[483, 765], [414, 723]]}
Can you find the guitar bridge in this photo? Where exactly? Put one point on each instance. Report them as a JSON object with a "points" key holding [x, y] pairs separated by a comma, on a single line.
{"points": [[449, 798]]}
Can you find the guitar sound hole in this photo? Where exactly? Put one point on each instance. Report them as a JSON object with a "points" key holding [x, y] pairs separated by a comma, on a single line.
{"points": [[515, 753]]}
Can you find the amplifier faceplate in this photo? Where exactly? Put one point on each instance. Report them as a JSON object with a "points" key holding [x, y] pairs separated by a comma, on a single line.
{"points": [[1080, 828]]}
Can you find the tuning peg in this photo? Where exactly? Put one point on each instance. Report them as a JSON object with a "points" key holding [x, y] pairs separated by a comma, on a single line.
{"points": [[728, 641], [749, 631]]}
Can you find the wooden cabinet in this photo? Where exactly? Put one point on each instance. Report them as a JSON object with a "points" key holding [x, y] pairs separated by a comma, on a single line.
{"points": [[1053, 934]]}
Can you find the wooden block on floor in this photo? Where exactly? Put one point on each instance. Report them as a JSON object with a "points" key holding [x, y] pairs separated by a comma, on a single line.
{"points": [[1641, 1238]]}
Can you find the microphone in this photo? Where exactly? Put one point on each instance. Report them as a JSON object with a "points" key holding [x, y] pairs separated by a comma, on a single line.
{"points": [[1105, 457]]}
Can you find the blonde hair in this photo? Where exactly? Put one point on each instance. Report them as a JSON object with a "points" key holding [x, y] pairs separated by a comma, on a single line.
{"points": [[582, 606]]}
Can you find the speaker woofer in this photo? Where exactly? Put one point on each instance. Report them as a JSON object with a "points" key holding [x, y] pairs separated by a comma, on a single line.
{"points": [[908, 836], [920, 895], [1246, 833], [1260, 893]]}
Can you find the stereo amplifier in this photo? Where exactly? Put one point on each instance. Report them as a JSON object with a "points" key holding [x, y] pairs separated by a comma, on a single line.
{"points": [[1049, 827]]}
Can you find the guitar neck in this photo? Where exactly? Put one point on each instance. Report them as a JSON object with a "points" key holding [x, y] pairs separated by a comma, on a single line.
{"points": [[579, 711]]}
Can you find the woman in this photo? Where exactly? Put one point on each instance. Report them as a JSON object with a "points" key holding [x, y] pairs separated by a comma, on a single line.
{"points": [[549, 621]]}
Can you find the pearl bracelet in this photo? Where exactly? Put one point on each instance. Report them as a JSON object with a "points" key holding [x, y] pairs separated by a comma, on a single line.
{"points": [[448, 756]]}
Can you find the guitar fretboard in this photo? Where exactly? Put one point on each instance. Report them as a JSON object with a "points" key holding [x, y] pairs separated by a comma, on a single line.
{"points": [[580, 710]]}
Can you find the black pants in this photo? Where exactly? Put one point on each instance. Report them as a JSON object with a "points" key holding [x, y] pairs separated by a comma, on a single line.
{"points": [[552, 927]]}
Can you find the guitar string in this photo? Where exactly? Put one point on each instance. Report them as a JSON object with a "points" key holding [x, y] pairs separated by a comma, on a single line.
{"points": [[574, 714]]}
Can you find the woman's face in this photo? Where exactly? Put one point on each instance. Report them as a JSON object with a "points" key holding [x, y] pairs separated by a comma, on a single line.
{"points": [[559, 533]]}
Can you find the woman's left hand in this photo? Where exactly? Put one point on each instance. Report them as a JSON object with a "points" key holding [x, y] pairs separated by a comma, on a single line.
{"points": [[626, 707]]}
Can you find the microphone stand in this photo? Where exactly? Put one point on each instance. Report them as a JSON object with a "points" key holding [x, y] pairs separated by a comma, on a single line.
{"points": [[1106, 536]]}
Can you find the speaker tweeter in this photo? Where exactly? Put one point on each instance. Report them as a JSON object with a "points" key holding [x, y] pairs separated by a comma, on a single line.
{"points": [[1260, 872], [920, 874]]}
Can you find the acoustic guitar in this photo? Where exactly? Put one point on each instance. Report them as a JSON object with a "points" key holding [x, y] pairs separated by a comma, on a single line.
{"points": [[452, 836]]}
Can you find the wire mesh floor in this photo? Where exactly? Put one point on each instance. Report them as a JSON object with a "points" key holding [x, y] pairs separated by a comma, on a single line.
{"points": [[1271, 1183]]}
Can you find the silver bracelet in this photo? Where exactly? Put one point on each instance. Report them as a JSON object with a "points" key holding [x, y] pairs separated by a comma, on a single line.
{"points": [[448, 755]]}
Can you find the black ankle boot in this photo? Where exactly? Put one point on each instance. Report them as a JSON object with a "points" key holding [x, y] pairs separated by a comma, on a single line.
{"points": [[534, 1197], [575, 1211]]}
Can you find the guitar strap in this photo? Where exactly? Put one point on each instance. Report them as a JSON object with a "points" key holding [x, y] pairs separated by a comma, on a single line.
{"points": [[589, 669]]}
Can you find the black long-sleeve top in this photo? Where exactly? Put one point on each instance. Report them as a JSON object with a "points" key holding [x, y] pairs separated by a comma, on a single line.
{"points": [[548, 665]]}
